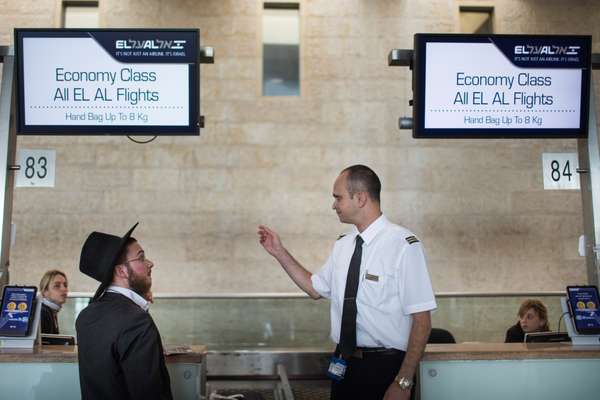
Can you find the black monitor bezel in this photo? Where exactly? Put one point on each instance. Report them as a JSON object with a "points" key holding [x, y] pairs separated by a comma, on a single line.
{"points": [[546, 337], [32, 312], [582, 331], [418, 85], [192, 129]]}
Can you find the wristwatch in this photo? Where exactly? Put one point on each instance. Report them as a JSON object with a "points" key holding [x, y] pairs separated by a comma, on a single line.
{"points": [[404, 382]]}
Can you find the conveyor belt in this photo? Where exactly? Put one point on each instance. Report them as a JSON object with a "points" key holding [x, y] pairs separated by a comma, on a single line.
{"points": [[262, 364], [302, 391], [283, 374]]}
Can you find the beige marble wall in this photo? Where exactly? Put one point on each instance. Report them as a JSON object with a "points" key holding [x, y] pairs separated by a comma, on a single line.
{"points": [[478, 206]]}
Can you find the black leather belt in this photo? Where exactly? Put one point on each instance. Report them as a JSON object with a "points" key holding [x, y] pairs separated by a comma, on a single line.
{"points": [[372, 352]]}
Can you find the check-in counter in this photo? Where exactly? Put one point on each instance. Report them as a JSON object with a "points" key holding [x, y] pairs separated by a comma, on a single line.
{"points": [[51, 372], [536, 371]]}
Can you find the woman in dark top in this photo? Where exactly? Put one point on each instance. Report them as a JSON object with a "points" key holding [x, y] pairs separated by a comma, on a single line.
{"points": [[54, 288], [533, 317]]}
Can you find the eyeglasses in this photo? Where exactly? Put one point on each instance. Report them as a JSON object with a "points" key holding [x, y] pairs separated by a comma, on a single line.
{"points": [[142, 258]]}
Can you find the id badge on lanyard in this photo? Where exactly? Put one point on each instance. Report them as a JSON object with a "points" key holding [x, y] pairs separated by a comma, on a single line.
{"points": [[337, 368]]}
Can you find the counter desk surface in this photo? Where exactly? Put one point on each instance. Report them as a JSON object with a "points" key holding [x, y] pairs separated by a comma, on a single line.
{"points": [[68, 354], [508, 351], [433, 352]]}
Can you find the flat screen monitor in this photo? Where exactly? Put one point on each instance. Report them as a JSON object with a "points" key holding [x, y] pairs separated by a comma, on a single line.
{"points": [[583, 304], [18, 308], [107, 81], [52, 339], [547, 337], [501, 86]]}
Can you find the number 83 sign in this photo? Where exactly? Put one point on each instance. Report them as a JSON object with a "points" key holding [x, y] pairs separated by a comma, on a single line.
{"points": [[37, 168], [560, 171]]}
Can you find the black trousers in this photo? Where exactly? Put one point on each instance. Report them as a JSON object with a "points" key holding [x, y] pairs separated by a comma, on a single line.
{"points": [[367, 378]]}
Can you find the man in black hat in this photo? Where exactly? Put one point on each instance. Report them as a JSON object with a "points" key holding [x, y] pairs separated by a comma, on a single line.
{"points": [[120, 350]]}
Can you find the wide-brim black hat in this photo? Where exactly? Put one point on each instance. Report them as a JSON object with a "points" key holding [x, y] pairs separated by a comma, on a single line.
{"points": [[99, 255]]}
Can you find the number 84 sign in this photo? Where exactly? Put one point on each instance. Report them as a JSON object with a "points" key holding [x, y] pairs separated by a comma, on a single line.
{"points": [[560, 171], [37, 168]]}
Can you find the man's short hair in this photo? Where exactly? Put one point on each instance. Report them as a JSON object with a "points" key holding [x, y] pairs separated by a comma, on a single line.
{"points": [[361, 178]]}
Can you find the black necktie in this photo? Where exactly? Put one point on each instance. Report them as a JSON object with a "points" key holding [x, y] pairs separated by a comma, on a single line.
{"points": [[348, 331]]}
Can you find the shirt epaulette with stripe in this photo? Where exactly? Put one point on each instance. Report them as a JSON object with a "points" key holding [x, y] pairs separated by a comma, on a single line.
{"points": [[411, 239], [341, 236]]}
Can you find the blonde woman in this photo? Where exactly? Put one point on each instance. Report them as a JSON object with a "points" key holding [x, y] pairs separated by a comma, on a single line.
{"points": [[54, 288]]}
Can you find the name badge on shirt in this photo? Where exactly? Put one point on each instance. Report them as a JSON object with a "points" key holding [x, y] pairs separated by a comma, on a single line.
{"points": [[374, 278], [337, 368]]}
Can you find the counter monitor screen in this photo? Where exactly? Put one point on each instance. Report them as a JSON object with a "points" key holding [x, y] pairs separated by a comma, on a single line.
{"points": [[583, 305], [18, 306]]}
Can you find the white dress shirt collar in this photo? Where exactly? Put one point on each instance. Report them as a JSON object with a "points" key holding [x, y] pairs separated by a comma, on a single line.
{"points": [[372, 230], [130, 294]]}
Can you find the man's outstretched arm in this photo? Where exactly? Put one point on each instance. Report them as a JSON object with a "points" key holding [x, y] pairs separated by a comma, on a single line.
{"points": [[300, 275]]}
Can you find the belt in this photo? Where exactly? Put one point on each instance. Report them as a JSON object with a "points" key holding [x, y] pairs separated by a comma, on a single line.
{"points": [[372, 352]]}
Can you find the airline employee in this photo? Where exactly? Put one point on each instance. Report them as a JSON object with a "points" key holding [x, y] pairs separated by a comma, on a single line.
{"points": [[381, 296]]}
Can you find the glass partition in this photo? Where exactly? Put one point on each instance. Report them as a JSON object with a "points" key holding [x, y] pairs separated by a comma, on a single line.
{"points": [[228, 323], [486, 318]]}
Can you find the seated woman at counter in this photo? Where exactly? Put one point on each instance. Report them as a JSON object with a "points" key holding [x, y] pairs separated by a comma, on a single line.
{"points": [[54, 288], [533, 317]]}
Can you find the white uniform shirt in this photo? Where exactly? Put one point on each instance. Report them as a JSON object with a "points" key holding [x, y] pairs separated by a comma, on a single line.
{"points": [[393, 284]]}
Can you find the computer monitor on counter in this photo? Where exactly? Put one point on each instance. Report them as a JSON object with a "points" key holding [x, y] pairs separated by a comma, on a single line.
{"points": [[547, 337], [582, 307]]}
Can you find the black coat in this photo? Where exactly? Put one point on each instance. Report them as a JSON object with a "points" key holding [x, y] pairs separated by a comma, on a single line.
{"points": [[48, 320], [515, 334], [120, 352]]}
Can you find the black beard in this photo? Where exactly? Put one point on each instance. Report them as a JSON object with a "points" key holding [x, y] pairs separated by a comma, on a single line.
{"points": [[140, 286]]}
